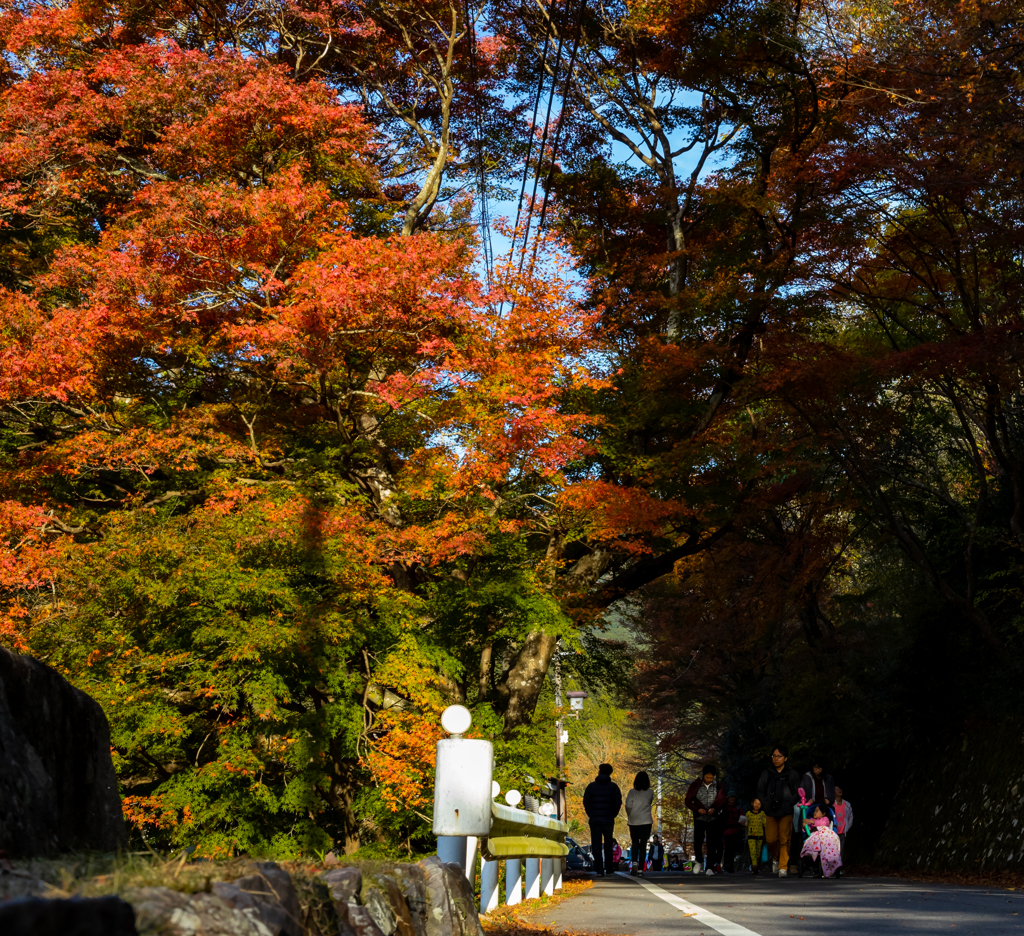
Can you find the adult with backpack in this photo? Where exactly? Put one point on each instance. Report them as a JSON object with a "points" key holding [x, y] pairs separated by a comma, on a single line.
{"points": [[777, 790], [818, 785]]}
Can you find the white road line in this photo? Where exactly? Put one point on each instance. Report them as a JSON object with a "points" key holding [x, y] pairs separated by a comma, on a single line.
{"points": [[705, 917]]}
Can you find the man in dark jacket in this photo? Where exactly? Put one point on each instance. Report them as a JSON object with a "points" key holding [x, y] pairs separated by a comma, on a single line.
{"points": [[602, 801], [777, 791], [656, 854]]}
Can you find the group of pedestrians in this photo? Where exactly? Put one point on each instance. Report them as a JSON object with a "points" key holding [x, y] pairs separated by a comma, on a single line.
{"points": [[812, 807], [785, 804], [602, 801]]}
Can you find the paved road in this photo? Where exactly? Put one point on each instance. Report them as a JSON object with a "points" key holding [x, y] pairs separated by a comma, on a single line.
{"points": [[743, 905]]}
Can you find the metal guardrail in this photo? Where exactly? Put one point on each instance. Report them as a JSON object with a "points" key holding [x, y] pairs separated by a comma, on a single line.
{"points": [[516, 833], [532, 846]]}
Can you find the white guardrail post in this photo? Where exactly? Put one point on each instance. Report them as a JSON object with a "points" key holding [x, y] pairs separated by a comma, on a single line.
{"points": [[513, 882], [532, 878], [489, 885], [464, 813], [547, 876]]}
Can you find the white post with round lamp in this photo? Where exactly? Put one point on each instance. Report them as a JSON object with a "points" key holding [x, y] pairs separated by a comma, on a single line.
{"points": [[462, 790]]}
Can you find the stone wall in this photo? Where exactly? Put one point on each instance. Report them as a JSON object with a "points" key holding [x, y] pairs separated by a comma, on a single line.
{"points": [[263, 899], [58, 790], [960, 804]]}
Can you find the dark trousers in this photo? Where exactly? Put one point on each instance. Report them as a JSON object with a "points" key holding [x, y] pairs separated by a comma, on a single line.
{"points": [[638, 836], [602, 835], [712, 833], [730, 849]]}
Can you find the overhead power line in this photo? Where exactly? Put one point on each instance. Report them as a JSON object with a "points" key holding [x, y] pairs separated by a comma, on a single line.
{"points": [[533, 124], [543, 138], [481, 150], [561, 123], [553, 155]]}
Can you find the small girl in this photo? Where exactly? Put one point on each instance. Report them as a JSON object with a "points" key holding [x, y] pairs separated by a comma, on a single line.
{"points": [[822, 842], [755, 823]]}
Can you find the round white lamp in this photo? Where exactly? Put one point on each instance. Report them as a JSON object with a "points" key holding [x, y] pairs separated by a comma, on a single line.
{"points": [[456, 720], [513, 798]]}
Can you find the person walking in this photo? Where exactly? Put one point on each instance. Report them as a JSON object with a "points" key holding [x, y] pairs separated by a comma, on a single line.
{"points": [[755, 834], [777, 791], [656, 856], [706, 799], [602, 801], [844, 819], [818, 785], [732, 833], [639, 801]]}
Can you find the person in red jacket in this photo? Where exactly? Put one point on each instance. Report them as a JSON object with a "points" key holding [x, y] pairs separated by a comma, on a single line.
{"points": [[732, 834], [706, 799]]}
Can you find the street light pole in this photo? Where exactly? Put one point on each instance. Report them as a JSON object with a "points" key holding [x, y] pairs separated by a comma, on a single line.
{"points": [[562, 811], [661, 771], [659, 804]]}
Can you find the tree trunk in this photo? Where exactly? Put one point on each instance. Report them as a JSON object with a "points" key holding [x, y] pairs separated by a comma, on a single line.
{"points": [[676, 245], [521, 687], [484, 688], [346, 778]]}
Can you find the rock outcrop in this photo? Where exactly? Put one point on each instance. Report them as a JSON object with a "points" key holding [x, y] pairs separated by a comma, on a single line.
{"points": [[263, 899], [960, 806], [58, 791], [101, 916]]}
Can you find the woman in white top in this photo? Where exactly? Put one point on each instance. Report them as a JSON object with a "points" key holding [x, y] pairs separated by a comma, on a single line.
{"points": [[638, 815]]}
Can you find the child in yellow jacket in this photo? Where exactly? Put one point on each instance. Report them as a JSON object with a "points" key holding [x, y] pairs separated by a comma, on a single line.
{"points": [[755, 833]]}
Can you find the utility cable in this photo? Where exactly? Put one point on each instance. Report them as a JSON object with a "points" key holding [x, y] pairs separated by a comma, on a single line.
{"points": [[543, 142], [561, 123], [485, 219], [529, 149]]}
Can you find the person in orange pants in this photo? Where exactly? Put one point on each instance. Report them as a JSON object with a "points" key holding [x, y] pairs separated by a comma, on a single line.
{"points": [[778, 832], [777, 791]]}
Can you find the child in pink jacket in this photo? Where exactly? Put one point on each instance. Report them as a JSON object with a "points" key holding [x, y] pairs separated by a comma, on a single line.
{"points": [[822, 842], [844, 818]]}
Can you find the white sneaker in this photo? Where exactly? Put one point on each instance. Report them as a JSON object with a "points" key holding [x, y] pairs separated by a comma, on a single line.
{"points": [[783, 872], [710, 872], [775, 866]]}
